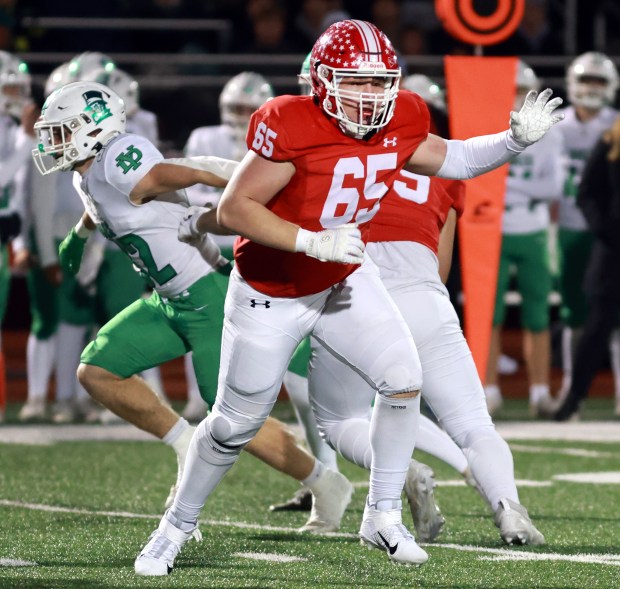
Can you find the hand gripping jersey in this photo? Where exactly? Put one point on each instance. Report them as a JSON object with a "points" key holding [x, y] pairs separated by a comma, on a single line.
{"points": [[337, 180], [147, 233]]}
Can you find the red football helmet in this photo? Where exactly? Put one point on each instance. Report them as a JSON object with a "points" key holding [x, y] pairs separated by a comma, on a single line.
{"points": [[350, 49]]}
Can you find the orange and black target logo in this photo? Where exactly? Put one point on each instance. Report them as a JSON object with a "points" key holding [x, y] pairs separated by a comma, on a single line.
{"points": [[462, 20]]}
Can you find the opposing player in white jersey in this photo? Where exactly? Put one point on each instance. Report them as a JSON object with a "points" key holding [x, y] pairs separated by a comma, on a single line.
{"points": [[534, 178], [592, 83], [96, 67], [316, 169], [17, 116], [82, 128]]}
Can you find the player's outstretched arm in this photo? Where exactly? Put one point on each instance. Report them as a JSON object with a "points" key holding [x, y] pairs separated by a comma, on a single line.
{"points": [[176, 174], [460, 160]]}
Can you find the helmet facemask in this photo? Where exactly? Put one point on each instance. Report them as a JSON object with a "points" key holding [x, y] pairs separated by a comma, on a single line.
{"points": [[373, 110]]}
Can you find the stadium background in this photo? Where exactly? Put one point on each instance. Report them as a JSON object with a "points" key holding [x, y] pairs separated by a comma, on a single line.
{"points": [[183, 51]]}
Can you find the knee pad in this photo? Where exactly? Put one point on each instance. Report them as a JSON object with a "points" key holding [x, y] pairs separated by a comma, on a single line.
{"points": [[221, 440], [399, 376]]}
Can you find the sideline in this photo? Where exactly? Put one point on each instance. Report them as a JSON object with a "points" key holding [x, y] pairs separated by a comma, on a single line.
{"points": [[44, 434]]}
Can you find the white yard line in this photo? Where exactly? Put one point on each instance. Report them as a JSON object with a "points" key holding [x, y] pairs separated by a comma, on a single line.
{"points": [[497, 554], [579, 452]]}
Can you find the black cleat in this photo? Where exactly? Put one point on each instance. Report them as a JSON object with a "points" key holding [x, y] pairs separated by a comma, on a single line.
{"points": [[302, 501]]}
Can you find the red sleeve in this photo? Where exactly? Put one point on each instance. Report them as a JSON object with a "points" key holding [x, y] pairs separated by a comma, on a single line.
{"points": [[267, 132], [456, 189]]}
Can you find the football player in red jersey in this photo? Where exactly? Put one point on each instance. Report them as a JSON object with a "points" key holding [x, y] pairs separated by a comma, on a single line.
{"points": [[301, 199]]}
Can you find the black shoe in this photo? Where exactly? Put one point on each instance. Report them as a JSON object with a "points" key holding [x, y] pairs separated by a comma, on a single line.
{"points": [[569, 411], [302, 501]]}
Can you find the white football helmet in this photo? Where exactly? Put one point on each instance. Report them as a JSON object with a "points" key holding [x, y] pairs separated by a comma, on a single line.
{"points": [[84, 63], [525, 81], [14, 85], [59, 77], [430, 91], [76, 121], [122, 83], [240, 97], [592, 80]]}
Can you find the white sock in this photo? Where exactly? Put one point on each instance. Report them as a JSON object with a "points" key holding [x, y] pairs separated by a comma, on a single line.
{"points": [[435, 441], [567, 361], [614, 355], [71, 340], [491, 464], [205, 467], [317, 471], [40, 357], [174, 436], [393, 430], [193, 392], [538, 393], [297, 387]]}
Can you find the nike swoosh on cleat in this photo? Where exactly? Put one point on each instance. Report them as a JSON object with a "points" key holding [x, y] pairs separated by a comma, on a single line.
{"points": [[391, 549]]}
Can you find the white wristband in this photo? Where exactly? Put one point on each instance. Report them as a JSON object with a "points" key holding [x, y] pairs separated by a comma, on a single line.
{"points": [[81, 230], [303, 240]]}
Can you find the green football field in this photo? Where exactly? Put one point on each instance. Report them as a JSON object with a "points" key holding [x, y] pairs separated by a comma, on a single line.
{"points": [[76, 513]]}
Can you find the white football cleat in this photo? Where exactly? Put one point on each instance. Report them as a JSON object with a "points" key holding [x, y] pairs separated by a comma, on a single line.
{"points": [[184, 442], [385, 531], [419, 485], [157, 557], [515, 525], [331, 494], [34, 410]]}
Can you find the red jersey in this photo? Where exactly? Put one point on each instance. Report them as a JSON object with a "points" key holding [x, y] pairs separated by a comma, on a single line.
{"points": [[337, 180], [416, 209]]}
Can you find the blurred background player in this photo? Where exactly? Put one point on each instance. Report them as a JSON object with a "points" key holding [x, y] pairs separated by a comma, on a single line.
{"points": [[592, 83], [599, 200], [18, 113], [240, 97], [534, 178]]}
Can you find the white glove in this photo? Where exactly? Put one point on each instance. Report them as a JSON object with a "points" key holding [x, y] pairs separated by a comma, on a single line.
{"points": [[534, 119], [343, 244], [188, 232]]}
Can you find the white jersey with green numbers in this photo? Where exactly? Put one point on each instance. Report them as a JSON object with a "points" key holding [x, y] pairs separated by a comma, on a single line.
{"points": [[534, 178], [217, 141], [147, 233], [579, 140]]}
